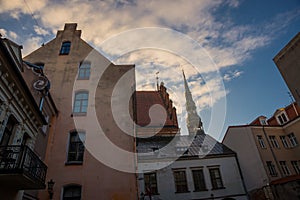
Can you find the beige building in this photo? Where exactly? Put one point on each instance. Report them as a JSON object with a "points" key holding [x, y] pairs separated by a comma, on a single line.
{"points": [[78, 172], [27, 113], [288, 63], [269, 154]]}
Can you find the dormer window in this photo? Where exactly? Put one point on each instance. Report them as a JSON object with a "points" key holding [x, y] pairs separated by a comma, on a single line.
{"points": [[65, 48], [263, 121], [282, 118]]}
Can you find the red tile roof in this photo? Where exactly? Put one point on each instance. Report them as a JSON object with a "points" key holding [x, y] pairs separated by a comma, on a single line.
{"points": [[144, 102]]}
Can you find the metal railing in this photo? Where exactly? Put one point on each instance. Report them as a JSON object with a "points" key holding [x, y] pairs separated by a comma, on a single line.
{"points": [[21, 159]]}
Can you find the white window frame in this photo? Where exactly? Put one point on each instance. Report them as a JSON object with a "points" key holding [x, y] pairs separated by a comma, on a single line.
{"points": [[284, 141], [271, 168], [280, 118], [293, 140], [81, 102], [296, 166], [273, 141], [261, 141], [285, 169]]}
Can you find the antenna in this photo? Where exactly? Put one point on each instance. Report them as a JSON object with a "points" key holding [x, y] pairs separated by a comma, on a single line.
{"points": [[291, 97]]}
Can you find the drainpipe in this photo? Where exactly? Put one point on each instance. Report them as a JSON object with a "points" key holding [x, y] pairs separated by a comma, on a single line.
{"points": [[240, 171], [273, 154]]}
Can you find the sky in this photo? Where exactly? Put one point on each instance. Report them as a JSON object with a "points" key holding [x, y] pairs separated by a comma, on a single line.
{"points": [[225, 47]]}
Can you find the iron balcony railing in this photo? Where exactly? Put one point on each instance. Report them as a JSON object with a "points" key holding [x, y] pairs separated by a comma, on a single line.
{"points": [[19, 159]]}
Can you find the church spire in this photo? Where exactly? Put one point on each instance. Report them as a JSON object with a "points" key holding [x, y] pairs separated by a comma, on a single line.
{"points": [[193, 121]]}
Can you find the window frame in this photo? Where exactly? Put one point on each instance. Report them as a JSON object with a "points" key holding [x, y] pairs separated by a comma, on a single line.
{"points": [[78, 143], [271, 168], [153, 186], [72, 186], [199, 182], [284, 142], [65, 48], [274, 141], [296, 166], [214, 179], [261, 141], [85, 68], [282, 118], [293, 140], [181, 185], [285, 169], [82, 108]]}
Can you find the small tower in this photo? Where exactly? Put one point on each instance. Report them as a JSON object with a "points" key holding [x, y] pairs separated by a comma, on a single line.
{"points": [[193, 121]]}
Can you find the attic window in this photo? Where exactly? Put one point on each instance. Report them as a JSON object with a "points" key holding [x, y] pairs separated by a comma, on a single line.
{"points": [[263, 121], [282, 118], [65, 48]]}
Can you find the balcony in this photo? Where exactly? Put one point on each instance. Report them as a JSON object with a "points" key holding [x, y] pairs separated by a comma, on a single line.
{"points": [[21, 168]]}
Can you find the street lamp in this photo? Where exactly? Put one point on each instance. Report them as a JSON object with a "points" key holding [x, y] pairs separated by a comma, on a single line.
{"points": [[50, 188]]}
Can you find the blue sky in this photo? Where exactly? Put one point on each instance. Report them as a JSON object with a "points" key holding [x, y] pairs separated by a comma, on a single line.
{"points": [[238, 40]]}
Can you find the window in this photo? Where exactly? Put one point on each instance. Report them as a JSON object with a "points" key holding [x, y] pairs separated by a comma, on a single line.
{"points": [[296, 167], [150, 183], [84, 70], [284, 142], [180, 181], [76, 147], [261, 141], [263, 121], [282, 118], [216, 179], [81, 102], [274, 141], [293, 139], [271, 168], [284, 168], [72, 192], [8, 131], [65, 48], [199, 181]]}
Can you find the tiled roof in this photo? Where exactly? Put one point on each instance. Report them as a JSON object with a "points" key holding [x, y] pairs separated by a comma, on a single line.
{"points": [[144, 101], [201, 145]]}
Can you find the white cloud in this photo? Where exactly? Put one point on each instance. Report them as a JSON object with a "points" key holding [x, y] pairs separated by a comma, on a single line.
{"points": [[40, 31], [232, 74], [9, 34], [31, 44], [225, 43]]}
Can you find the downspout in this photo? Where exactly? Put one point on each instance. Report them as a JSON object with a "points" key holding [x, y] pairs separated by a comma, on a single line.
{"points": [[240, 171], [273, 154]]}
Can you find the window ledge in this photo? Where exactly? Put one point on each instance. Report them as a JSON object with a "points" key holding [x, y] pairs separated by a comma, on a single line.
{"points": [[78, 114], [87, 78], [204, 190], [182, 192], [74, 163], [220, 188]]}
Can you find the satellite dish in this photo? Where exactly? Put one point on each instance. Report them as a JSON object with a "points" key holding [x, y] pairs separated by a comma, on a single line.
{"points": [[40, 83]]}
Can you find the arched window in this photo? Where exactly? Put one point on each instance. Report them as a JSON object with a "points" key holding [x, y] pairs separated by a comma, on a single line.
{"points": [[72, 192], [84, 70], [8, 131], [65, 48], [81, 102], [76, 147]]}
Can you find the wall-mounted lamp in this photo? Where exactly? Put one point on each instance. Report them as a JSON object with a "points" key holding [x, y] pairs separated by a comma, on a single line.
{"points": [[50, 188]]}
